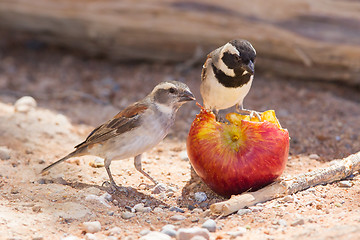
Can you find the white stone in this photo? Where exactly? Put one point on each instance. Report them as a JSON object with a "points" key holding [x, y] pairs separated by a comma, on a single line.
{"points": [[155, 236], [4, 153], [90, 236], [114, 231], [25, 104], [92, 227], [188, 233], [200, 196], [209, 225]]}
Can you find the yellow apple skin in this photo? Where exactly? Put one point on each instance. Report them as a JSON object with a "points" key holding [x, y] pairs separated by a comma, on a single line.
{"points": [[232, 158]]}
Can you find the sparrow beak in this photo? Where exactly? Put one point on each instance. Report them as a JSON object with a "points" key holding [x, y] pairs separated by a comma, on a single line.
{"points": [[187, 96], [249, 67]]}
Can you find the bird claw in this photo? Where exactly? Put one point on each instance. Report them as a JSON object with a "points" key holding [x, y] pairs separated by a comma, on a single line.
{"points": [[112, 188]]}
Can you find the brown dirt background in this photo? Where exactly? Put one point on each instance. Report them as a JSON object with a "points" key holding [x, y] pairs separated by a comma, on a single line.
{"points": [[76, 93]]}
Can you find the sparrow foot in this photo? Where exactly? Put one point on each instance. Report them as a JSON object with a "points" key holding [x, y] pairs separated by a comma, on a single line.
{"points": [[112, 188], [251, 113]]}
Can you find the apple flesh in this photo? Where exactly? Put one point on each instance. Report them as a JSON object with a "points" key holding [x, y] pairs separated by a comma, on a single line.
{"points": [[238, 156]]}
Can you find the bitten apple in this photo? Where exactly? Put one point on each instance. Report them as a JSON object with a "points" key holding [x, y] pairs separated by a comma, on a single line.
{"points": [[240, 155]]}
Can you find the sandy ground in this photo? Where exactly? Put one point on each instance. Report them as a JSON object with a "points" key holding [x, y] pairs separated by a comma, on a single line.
{"points": [[75, 94]]}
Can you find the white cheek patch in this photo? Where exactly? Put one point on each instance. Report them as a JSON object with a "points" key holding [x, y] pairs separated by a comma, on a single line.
{"points": [[168, 110], [221, 65]]}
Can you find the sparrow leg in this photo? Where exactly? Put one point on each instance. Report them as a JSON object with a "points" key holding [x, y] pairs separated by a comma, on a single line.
{"points": [[239, 108], [112, 182], [158, 186], [217, 115], [137, 163]]}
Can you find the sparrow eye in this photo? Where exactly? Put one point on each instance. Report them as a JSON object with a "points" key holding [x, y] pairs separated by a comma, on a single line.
{"points": [[172, 90]]}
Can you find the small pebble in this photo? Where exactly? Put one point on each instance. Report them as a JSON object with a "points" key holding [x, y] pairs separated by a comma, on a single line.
{"points": [[298, 222], [189, 233], [158, 210], [240, 232], [243, 211], [25, 104], [144, 232], [177, 217], [4, 153], [90, 236], [200, 196], [345, 184], [209, 225], [155, 236], [36, 209], [176, 209], [127, 215], [97, 162], [183, 156], [282, 222], [198, 210], [314, 156], [288, 198], [92, 227], [256, 209], [169, 230], [114, 231]]}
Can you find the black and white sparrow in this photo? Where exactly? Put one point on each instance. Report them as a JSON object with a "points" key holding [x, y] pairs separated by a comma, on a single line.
{"points": [[227, 76], [136, 129]]}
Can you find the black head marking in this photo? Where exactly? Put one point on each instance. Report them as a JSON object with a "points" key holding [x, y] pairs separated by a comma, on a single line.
{"points": [[245, 49], [232, 82]]}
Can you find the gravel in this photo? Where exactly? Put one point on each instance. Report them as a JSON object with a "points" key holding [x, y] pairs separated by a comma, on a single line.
{"points": [[240, 232], [169, 229], [345, 184], [200, 196], [297, 222], [25, 104]]}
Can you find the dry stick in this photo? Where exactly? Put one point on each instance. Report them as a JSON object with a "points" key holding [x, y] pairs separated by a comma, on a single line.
{"points": [[339, 170]]}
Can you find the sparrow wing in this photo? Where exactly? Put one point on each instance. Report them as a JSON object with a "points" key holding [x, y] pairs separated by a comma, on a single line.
{"points": [[124, 121], [203, 71]]}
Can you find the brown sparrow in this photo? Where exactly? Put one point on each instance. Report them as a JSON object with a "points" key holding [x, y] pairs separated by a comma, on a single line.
{"points": [[227, 76], [136, 129]]}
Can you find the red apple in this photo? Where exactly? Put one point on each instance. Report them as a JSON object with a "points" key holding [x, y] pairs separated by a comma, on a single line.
{"points": [[238, 156]]}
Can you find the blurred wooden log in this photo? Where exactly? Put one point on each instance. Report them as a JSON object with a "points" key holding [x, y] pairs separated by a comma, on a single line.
{"points": [[302, 39]]}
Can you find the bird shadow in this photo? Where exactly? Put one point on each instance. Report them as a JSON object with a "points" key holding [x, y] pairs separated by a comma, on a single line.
{"points": [[120, 199]]}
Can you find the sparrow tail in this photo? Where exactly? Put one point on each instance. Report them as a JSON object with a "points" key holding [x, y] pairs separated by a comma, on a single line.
{"points": [[70, 155]]}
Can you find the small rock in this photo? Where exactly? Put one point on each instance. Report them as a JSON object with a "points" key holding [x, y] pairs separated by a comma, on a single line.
{"points": [[107, 197], [194, 219], [345, 184], [155, 236], [127, 215], [114, 231], [36, 209], [183, 156], [243, 211], [240, 232], [99, 199], [38, 238], [159, 188], [158, 210], [198, 238], [176, 209], [200, 196], [209, 225], [169, 229], [189, 233], [256, 209], [298, 222], [90, 236], [314, 156], [25, 104], [177, 217], [5, 153], [144, 232], [198, 210], [138, 207], [92, 227], [97, 162], [282, 222], [288, 198]]}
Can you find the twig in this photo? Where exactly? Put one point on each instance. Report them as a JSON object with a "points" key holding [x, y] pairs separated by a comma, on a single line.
{"points": [[339, 170]]}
